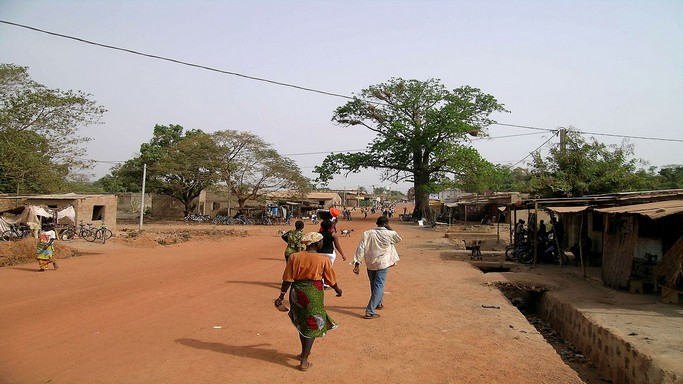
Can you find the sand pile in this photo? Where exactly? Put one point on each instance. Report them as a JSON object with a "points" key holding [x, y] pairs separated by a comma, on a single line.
{"points": [[24, 251]]}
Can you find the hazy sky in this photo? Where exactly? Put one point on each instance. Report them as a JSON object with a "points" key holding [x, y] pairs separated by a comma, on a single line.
{"points": [[612, 67]]}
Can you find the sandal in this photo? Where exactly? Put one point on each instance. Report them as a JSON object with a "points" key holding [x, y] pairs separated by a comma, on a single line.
{"points": [[305, 367], [370, 315]]}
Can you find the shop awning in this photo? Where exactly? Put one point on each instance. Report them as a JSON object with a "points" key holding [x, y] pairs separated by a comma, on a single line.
{"points": [[655, 210], [567, 209]]}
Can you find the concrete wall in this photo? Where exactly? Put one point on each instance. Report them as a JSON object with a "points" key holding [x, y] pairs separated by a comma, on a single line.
{"points": [[166, 207], [211, 202], [615, 358], [95, 209], [129, 202]]}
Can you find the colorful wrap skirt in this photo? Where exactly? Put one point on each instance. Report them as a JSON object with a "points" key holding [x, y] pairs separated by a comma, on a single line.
{"points": [[44, 254], [307, 301], [44, 251]]}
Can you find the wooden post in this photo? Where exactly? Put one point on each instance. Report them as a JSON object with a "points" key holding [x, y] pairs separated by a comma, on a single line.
{"points": [[535, 232], [583, 265], [514, 222], [560, 252]]}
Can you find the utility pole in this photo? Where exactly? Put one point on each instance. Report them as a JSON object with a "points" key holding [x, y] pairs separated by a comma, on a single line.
{"points": [[142, 197], [563, 140]]}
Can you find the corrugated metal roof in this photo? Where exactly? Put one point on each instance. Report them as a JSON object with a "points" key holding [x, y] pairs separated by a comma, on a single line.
{"points": [[655, 210], [322, 195], [58, 196], [567, 209]]}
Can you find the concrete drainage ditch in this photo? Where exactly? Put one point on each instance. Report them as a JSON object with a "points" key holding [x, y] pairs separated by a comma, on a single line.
{"points": [[529, 299]]}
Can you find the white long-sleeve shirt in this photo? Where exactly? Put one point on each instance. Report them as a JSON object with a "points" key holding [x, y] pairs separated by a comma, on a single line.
{"points": [[377, 249]]}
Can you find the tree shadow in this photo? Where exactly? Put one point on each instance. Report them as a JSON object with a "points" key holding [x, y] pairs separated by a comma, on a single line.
{"points": [[255, 351], [262, 283]]}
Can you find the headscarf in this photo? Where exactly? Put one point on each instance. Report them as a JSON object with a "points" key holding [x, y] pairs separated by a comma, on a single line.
{"points": [[311, 237]]}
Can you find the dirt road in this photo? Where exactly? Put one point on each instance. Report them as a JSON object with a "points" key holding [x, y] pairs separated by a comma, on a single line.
{"points": [[202, 312]]}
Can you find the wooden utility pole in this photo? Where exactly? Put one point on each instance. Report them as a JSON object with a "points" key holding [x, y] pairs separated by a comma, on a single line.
{"points": [[563, 140], [142, 196]]}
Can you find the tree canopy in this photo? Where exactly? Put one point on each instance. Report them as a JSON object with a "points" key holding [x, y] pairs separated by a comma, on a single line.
{"points": [[39, 127], [578, 167], [422, 134], [671, 177], [251, 167], [181, 164]]}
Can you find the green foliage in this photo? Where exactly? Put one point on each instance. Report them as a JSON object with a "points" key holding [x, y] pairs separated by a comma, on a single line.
{"points": [[39, 130], [422, 132], [485, 176], [671, 177], [583, 167], [182, 164], [26, 164], [110, 184], [514, 180], [179, 164], [251, 167]]}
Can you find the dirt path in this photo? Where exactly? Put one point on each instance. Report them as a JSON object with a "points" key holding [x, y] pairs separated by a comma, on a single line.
{"points": [[202, 312]]}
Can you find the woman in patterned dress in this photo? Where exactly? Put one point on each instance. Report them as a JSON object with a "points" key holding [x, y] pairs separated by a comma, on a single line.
{"points": [[45, 248], [303, 274]]}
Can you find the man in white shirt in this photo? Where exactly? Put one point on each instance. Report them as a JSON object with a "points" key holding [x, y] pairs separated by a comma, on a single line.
{"points": [[377, 250]]}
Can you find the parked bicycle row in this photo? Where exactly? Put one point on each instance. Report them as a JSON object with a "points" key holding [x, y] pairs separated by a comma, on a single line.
{"points": [[236, 220], [85, 231]]}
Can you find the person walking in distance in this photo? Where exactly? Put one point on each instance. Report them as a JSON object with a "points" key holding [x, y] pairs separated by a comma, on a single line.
{"points": [[45, 249], [377, 249], [293, 239]]}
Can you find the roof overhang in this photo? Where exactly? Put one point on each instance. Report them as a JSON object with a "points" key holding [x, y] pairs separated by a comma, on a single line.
{"points": [[655, 210], [566, 209]]}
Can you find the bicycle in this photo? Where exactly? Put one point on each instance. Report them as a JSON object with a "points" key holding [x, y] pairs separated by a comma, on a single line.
{"points": [[16, 232], [69, 232], [521, 252], [102, 233]]}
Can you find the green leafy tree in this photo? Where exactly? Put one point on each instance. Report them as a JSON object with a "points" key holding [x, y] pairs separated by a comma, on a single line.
{"points": [[26, 164], [250, 167], [50, 120], [483, 176], [179, 164], [514, 180], [578, 167], [671, 177], [421, 132], [110, 184]]}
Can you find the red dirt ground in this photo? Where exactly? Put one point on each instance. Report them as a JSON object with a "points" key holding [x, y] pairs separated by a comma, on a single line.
{"points": [[201, 311]]}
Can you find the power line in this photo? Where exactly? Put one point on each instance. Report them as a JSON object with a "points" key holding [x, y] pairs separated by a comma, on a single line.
{"points": [[177, 61], [507, 136], [530, 153], [323, 152], [631, 137], [592, 133], [307, 89], [525, 127]]}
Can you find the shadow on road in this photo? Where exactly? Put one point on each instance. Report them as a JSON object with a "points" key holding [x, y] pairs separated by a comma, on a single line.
{"points": [[255, 351], [262, 283]]}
